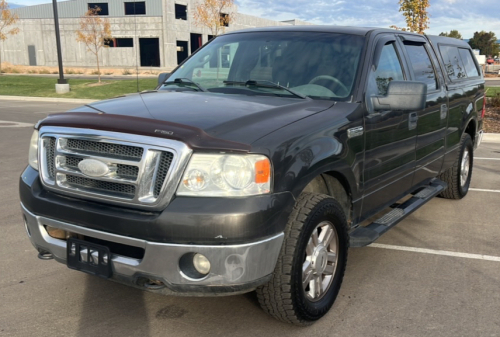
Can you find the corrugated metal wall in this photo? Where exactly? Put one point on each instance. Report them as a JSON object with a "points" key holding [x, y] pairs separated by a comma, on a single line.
{"points": [[77, 8]]}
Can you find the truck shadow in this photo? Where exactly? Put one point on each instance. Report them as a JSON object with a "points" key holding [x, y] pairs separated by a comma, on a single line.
{"points": [[111, 307]]}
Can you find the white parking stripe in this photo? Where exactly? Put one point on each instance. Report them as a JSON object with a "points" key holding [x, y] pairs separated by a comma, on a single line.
{"points": [[481, 158], [437, 252], [11, 124], [483, 190]]}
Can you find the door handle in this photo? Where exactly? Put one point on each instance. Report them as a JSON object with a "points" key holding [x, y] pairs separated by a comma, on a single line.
{"points": [[412, 121]]}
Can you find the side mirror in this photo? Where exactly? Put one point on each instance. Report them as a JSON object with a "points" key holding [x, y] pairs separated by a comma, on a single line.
{"points": [[162, 78], [402, 95]]}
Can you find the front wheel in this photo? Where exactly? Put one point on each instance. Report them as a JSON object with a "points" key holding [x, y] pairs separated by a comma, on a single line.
{"points": [[312, 262], [459, 175]]}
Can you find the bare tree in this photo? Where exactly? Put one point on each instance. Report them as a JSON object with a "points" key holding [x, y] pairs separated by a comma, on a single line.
{"points": [[94, 31], [214, 15], [6, 19]]}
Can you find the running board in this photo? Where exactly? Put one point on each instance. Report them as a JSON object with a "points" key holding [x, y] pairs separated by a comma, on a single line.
{"points": [[363, 236]]}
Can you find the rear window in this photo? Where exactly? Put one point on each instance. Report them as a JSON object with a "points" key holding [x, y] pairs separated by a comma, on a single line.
{"points": [[453, 64], [470, 66]]}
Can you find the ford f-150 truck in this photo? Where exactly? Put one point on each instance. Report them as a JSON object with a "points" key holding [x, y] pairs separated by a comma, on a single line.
{"points": [[257, 163]]}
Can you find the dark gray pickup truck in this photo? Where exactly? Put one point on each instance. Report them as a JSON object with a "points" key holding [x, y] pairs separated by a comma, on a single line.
{"points": [[256, 163]]}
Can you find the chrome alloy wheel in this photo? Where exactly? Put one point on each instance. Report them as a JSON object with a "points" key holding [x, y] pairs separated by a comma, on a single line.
{"points": [[464, 167], [320, 261]]}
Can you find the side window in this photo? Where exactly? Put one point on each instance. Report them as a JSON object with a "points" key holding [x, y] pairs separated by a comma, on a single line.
{"points": [[470, 66], [388, 69], [452, 62], [422, 65]]}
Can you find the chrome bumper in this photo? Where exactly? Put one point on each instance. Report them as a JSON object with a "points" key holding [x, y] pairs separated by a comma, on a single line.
{"points": [[234, 268]]}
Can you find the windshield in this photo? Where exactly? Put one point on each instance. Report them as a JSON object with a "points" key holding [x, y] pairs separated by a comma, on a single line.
{"points": [[317, 65]]}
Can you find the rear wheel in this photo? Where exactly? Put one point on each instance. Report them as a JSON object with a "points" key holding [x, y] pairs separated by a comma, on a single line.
{"points": [[459, 175], [312, 262]]}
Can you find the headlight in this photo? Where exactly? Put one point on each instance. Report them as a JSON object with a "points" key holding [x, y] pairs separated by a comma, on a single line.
{"points": [[33, 153], [218, 175]]}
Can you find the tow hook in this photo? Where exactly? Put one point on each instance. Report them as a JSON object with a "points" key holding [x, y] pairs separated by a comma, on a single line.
{"points": [[44, 255]]}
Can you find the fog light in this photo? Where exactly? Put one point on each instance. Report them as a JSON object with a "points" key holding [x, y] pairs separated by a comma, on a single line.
{"points": [[57, 233], [201, 264]]}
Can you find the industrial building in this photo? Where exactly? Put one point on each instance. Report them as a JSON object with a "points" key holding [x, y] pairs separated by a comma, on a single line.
{"points": [[145, 34]]}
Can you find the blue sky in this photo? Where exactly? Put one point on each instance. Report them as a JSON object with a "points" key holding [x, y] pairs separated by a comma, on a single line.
{"points": [[464, 15]]}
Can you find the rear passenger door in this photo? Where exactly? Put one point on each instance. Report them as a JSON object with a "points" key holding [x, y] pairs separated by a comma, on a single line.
{"points": [[465, 92], [432, 121], [389, 134]]}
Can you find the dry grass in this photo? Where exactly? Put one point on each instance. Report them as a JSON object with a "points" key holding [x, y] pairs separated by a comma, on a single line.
{"points": [[8, 68]]}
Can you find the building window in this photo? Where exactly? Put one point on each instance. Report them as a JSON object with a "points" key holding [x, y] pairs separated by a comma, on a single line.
{"points": [[135, 8], [103, 6], [119, 42], [224, 19], [180, 12]]}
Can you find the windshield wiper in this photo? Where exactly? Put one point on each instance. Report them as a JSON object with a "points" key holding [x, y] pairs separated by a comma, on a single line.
{"points": [[265, 84], [183, 80]]}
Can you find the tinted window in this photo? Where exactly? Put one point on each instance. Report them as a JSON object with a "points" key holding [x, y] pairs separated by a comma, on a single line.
{"points": [[180, 12], [422, 66], [135, 8], [452, 62], [119, 42], [470, 66], [102, 5], [388, 69]]}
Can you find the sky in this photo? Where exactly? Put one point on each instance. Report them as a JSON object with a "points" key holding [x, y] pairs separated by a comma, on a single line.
{"points": [[464, 15]]}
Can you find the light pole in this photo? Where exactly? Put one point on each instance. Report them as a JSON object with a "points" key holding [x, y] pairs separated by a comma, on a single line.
{"points": [[62, 85]]}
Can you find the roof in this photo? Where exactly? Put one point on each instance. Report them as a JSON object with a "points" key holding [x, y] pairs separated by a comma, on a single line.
{"points": [[447, 40], [363, 31]]}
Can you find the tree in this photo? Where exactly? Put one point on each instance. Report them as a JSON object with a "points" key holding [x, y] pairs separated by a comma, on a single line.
{"points": [[453, 33], [415, 13], [214, 15], [6, 19], [94, 31], [398, 28], [485, 42]]}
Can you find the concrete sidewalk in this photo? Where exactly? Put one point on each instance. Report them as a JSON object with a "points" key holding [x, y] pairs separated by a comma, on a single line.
{"points": [[47, 99]]}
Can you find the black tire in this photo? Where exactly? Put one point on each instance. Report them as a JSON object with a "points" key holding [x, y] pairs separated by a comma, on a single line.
{"points": [[284, 297], [452, 176]]}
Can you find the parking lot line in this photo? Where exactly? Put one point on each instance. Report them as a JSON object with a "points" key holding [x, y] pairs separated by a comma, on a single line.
{"points": [[482, 158], [437, 252], [483, 190]]}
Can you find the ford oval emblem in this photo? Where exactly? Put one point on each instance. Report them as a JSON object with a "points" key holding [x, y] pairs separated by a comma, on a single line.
{"points": [[93, 168]]}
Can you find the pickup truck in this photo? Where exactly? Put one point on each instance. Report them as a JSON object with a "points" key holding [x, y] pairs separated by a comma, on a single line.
{"points": [[257, 163]]}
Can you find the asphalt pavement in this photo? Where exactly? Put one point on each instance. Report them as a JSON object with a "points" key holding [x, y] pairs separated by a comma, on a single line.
{"points": [[437, 273]]}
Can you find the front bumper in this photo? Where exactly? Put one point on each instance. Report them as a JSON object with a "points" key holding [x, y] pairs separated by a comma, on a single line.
{"points": [[234, 268]]}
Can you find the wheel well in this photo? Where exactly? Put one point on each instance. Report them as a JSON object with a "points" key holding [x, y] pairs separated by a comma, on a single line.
{"points": [[335, 185], [471, 130]]}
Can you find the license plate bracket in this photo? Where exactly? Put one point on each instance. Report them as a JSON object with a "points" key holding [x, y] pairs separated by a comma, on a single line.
{"points": [[88, 257]]}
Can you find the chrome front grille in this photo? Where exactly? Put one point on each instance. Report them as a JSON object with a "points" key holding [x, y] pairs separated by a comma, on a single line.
{"points": [[141, 171], [108, 149]]}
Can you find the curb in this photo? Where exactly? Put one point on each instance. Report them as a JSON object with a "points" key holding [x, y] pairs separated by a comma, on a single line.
{"points": [[491, 138], [47, 99]]}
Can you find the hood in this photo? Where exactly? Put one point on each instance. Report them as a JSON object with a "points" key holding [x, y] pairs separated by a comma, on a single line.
{"points": [[238, 118]]}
